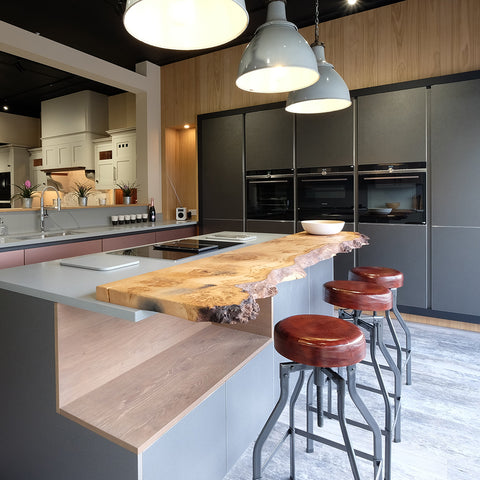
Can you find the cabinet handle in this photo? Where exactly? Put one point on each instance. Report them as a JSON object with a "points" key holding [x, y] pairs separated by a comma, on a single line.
{"points": [[114, 174]]}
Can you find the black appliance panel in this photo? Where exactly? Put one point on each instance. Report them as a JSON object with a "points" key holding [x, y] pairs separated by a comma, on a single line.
{"points": [[405, 187], [325, 194], [270, 196], [5, 187]]}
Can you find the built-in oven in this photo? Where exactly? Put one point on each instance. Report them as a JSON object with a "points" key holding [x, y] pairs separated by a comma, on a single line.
{"points": [[392, 193], [325, 193], [270, 195], [5, 190]]}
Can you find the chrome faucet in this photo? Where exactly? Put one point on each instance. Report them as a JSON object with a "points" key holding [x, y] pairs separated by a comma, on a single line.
{"points": [[43, 210]]}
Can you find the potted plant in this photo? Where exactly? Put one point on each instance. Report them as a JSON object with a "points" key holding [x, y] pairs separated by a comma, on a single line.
{"points": [[27, 191], [82, 192], [127, 189]]}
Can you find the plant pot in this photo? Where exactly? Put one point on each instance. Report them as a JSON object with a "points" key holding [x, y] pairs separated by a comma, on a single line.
{"points": [[82, 201], [127, 200], [27, 202]]}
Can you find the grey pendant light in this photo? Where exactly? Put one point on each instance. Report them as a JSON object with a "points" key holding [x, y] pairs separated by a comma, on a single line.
{"points": [[278, 59], [185, 24], [328, 94]]}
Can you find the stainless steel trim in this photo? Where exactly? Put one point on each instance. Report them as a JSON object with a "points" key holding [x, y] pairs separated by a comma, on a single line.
{"points": [[310, 180], [393, 172], [392, 177], [268, 177], [268, 181], [323, 175]]}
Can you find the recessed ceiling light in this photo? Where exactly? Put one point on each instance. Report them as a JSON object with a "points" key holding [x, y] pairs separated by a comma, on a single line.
{"points": [[351, 2]]}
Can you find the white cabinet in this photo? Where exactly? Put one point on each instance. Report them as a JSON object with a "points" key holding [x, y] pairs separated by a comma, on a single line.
{"points": [[37, 176], [115, 159], [4, 160], [69, 126], [103, 164], [69, 151]]}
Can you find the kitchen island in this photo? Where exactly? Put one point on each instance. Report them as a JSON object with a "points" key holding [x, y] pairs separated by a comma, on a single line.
{"points": [[88, 393]]}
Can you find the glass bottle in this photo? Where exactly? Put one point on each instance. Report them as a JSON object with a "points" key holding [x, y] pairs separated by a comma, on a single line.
{"points": [[152, 216]]}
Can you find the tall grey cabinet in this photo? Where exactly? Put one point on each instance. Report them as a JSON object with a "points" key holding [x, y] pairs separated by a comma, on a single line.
{"points": [[455, 170], [221, 174], [269, 139], [392, 127], [325, 140]]}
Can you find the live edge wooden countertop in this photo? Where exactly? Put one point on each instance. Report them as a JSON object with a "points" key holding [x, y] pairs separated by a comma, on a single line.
{"points": [[223, 288]]}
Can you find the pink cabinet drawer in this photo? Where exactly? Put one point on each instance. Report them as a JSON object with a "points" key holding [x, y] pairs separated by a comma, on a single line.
{"points": [[64, 250], [14, 258]]}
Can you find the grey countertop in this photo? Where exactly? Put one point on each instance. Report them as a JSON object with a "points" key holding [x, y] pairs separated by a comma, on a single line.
{"points": [[76, 286], [29, 239]]}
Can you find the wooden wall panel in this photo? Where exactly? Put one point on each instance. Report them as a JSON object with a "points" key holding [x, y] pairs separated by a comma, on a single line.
{"points": [[405, 41]]}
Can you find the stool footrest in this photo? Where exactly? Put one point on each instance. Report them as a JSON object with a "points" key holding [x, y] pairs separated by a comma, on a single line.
{"points": [[339, 446]]}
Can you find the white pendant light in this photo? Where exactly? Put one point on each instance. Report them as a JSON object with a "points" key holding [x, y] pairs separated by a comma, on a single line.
{"points": [[185, 24], [278, 59], [328, 94]]}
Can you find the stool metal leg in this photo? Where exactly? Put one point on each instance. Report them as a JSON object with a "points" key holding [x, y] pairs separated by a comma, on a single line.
{"points": [[397, 378], [408, 338], [368, 417], [285, 370], [388, 413], [340, 382], [293, 400], [309, 410]]}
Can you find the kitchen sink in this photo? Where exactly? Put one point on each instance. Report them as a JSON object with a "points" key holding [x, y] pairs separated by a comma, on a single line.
{"points": [[40, 235]]}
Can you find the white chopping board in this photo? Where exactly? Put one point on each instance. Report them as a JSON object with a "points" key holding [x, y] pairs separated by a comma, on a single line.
{"points": [[100, 262]]}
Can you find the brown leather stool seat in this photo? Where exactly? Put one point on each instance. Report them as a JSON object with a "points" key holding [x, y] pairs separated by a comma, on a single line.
{"points": [[387, 277], [320, 341], [357, 295]]}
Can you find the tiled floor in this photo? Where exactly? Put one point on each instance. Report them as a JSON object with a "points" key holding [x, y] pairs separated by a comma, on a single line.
{"points": [[440, 419]]}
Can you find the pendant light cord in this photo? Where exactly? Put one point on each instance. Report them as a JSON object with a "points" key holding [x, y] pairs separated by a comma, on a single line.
{"points": [[317, 21]]}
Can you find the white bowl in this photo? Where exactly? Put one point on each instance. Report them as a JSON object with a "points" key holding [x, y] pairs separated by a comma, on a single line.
{"points": [[323, 227]]}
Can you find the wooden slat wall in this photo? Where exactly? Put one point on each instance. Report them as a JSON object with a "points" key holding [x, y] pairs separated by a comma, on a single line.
{"points": [[405, 41]]}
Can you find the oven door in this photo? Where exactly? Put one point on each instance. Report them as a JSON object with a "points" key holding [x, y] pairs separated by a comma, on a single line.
{"points": [[325, 196], [270, 197], [397, 197], [5, 190]]}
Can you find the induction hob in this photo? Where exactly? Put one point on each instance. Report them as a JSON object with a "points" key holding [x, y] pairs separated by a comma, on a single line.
{"points": [[175, 249]]}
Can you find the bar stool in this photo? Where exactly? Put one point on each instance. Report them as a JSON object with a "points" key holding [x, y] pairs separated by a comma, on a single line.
{"points": [[392, 279], [319, 343], [359, 296]]}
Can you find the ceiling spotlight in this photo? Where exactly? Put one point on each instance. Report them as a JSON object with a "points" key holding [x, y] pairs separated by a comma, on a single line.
{"points": [[5, 107], [351, 2], [278, 59], [185, 24]]}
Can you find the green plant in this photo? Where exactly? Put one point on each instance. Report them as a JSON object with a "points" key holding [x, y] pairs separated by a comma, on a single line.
{"points": [[27, 190], [82, 190], [127, 188]]}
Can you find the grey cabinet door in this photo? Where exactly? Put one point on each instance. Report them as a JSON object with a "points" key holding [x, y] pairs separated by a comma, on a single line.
{"points": [[392, 127], [325, 140], [269, 139], [455, 267], [343, 262], [221, 168], [403, 247], [455, 153]]}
